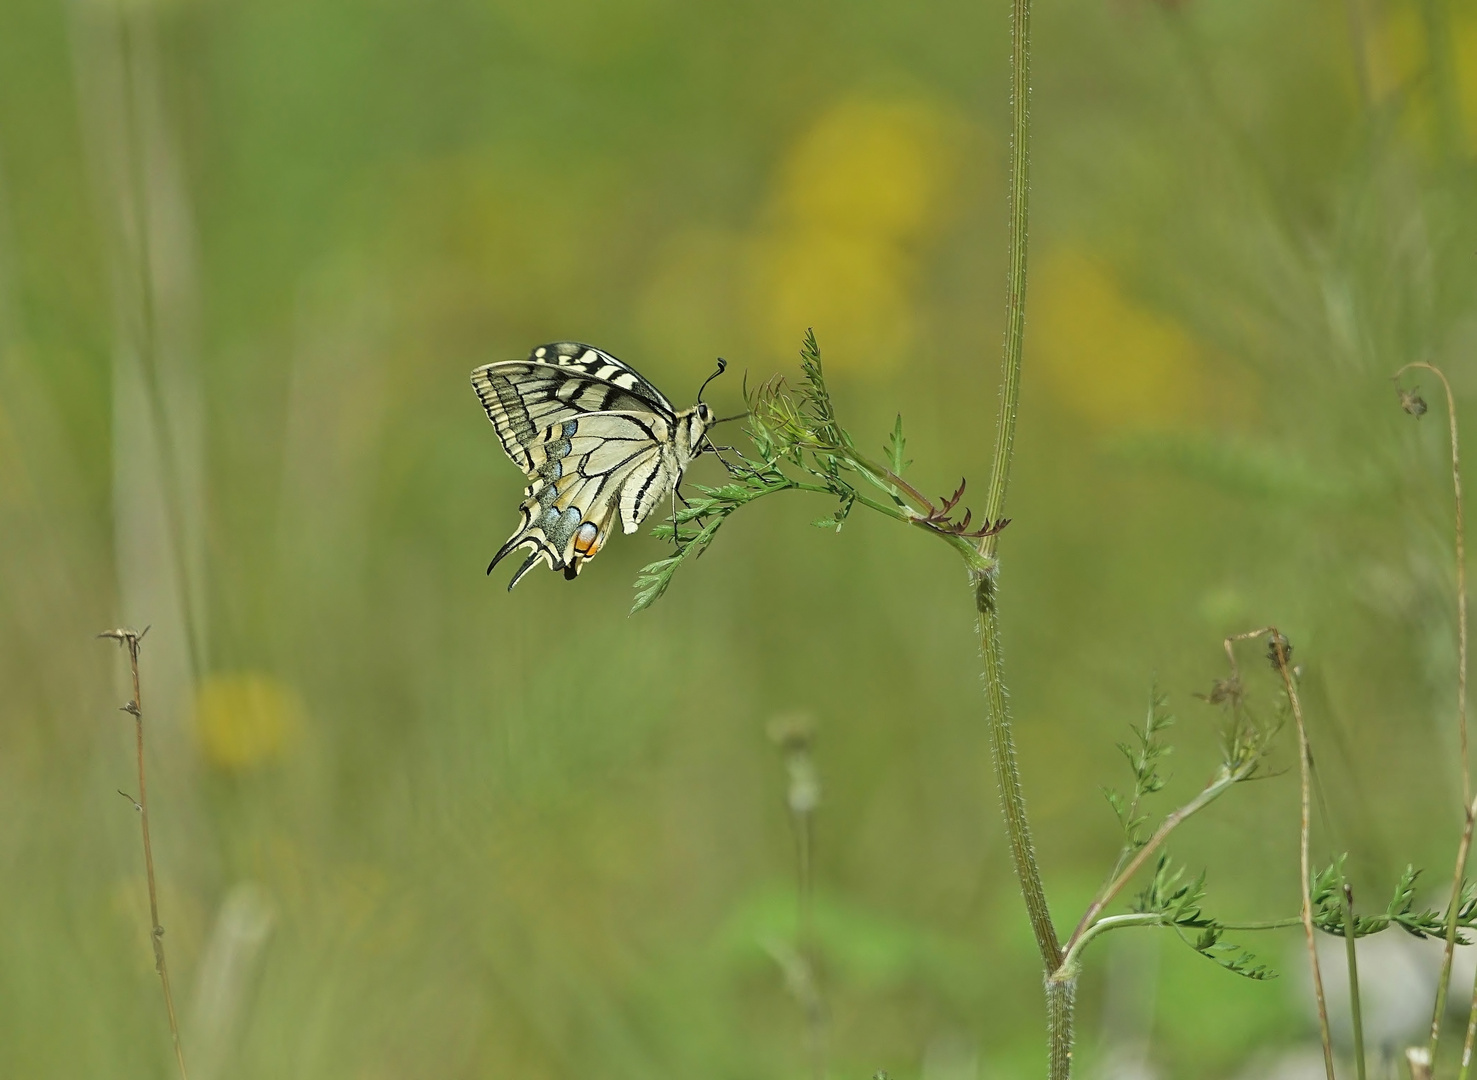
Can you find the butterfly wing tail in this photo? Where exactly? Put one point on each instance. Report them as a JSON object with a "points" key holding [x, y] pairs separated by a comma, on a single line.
{"points": [[528, 564], [523, 538]]}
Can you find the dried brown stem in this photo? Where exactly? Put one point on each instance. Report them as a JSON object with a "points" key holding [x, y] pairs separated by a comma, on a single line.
{"points": [[1305, 769], [1469, 805], [1461, 572], [130, 639]]}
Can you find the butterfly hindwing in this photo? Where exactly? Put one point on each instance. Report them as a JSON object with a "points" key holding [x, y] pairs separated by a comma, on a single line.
{"points": [[581, 472]]}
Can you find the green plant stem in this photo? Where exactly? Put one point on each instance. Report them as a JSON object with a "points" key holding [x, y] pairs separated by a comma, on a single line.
{"points": [[1075, 948], [1008, 778], [1471, 1035], [1061, 999], [1212, 791], [1061, 987], [1356, 1010], [898, 513], [1015, 281], [1079, 941]]}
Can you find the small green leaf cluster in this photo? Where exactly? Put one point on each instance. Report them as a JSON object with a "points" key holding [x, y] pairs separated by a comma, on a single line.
{"points": [[1177, 901], [1245, 737], [712, 507], [1143, 756], [800, 428], [1328, 907], [798, 431]]}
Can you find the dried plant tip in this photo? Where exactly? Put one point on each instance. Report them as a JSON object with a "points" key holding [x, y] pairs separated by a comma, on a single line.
{"points": [[1279, 650], [1223, 691], [792, 731], [1412, 402]]}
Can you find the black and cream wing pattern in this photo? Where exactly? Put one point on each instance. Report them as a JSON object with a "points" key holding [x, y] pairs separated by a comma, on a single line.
{"points": [[596, 440]]}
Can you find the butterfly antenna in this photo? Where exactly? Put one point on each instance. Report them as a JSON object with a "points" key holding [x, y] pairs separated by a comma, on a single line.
{"points": [[722, 366]]}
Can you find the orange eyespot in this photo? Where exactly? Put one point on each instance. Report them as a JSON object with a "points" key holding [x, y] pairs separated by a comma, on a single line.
{"points": [[587, 540]]}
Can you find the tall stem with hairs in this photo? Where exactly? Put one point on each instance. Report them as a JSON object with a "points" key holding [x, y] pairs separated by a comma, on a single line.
{"points": [[1060, 991]]}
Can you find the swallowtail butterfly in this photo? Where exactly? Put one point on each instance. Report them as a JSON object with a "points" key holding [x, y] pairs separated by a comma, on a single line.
{"points": [[595, 439]]}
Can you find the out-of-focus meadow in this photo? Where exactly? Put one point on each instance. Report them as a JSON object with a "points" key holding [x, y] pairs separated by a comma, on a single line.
{"points": [[410, 825]]}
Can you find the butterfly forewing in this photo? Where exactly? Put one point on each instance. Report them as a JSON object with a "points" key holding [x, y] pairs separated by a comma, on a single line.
{"points": [[522, 398], [599, 364]]}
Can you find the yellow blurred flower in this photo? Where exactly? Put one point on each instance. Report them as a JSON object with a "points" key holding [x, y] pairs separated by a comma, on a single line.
{"points": [[245, 719], [854, 289], [1111, 361], [854, 200], [1464, 47], [1398, 57], [869, 168]]}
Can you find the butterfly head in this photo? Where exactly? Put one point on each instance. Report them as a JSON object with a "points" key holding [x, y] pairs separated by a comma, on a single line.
{"points": [[692, 430]]}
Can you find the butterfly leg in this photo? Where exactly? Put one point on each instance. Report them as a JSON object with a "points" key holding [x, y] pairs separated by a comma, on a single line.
{"points": [[718, 451], [676, 529]]}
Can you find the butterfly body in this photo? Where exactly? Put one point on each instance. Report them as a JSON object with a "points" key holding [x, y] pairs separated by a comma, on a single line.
{"points": [[597, 442]]}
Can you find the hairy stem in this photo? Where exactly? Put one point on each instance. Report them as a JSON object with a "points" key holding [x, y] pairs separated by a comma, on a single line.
{"points": [[1015, 282], [1060, 993], [130, 640], [1008, 778], [1061, 999]]}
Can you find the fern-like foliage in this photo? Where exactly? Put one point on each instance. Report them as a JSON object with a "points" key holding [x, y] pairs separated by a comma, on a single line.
{"points": [[800, 445], [1177, 901], [1143, 755], [1328, 908]]}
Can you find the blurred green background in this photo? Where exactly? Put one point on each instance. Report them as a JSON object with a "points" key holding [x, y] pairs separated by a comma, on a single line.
{"points": [[410, 825]]}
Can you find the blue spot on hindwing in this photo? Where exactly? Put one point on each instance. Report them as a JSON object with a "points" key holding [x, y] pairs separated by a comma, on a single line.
{"points": [[560, 527]]}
